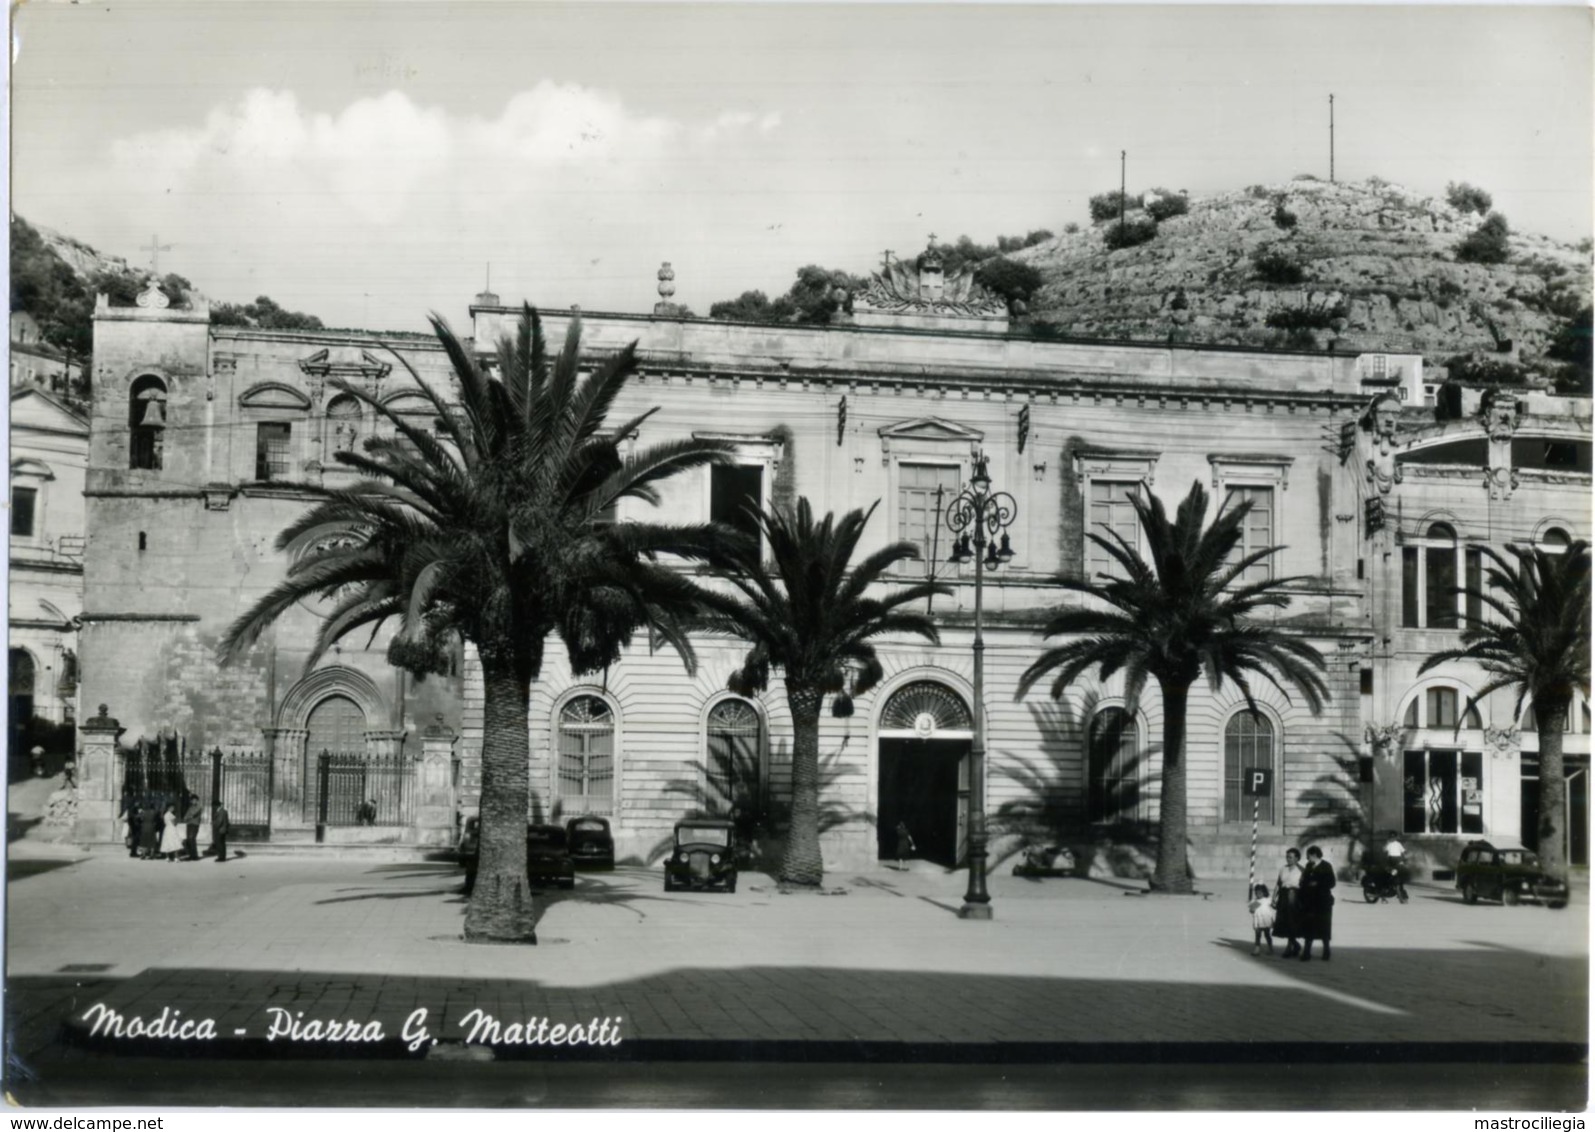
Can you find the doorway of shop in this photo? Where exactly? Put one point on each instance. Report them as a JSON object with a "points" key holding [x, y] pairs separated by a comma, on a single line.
{"points": [[924, 785]]}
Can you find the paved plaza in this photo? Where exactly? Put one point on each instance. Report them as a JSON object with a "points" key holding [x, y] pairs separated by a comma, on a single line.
{"points": [[881, 960]]}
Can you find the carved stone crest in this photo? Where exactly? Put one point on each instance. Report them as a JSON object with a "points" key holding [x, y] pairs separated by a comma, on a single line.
{"points": [[1384, 740], [1499, 413], [922, 286], [1503, 741]]}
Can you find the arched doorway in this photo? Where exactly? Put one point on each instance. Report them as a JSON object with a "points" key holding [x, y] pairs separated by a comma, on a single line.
{"points": [[23, 673], [925, 733]]}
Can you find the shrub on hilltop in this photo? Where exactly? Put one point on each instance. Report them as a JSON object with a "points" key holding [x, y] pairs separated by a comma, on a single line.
{"points": [[1487, 243], [1467, 198]]}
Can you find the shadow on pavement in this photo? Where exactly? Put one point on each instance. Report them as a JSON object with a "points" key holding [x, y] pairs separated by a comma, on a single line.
{"points": [[889, 1021], [31, 867]]}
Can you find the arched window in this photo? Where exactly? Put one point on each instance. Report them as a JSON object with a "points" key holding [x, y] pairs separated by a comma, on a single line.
{"points": [[1435, 570], [731, 769], [1113, 793], [343, 425], [1248, 745], [146, 421], [585, 772], [1554, 540], [1437, 709]]}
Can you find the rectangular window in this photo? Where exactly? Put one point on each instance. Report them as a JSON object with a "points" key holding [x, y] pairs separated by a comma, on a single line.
{"points": [[23, 502], [1409, 587], [1441, 709], [271, 451], [1112, 512], [736, 493], [1441, 606], [1472, 787], [1257, 530], [919, 511], [1473, 565]]}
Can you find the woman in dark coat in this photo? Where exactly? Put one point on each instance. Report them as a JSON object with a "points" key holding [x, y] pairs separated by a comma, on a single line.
{"points": [[1317, 902], [1287, 903], [149, 829]]}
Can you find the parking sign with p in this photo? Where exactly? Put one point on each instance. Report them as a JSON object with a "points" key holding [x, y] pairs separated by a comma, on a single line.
{"points": [[1257, 782]]}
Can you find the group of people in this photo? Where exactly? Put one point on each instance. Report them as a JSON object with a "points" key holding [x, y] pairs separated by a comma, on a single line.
{"points": [[1300, 909], [163, 827]]}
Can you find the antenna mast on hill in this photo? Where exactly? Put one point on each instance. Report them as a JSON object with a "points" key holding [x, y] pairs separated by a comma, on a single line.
{"points": [[1121, 190], [1331, 139]]}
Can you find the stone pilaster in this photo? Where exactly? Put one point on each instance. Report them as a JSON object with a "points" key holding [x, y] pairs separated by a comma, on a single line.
{"points": [[291, 781], [435, 802], [99, 772]]}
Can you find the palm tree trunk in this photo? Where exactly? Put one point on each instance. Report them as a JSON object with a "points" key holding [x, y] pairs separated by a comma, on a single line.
{"points": [[1173, 874], [1550, 712], [501, 903], [802, 863]]}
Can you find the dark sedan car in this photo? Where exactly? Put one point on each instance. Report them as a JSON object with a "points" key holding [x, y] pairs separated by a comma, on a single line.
{"points": [[547, 861], [703, 857], [1507, 873], [590, 842]]}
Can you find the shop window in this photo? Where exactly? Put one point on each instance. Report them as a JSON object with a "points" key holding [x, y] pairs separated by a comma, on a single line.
{"points": [[1114, 791], [272, 460], [1443, 792], [920, 507], [585, 771], [1248, 745]]}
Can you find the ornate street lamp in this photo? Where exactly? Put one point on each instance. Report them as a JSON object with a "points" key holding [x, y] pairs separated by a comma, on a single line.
{"points": [[979, 518]]}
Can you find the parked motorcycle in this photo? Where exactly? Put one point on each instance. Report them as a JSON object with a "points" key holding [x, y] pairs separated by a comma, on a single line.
{"points": [[1383, 883]]}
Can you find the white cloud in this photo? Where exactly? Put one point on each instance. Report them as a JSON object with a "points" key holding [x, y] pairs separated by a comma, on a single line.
{"points": [[384, 192]]}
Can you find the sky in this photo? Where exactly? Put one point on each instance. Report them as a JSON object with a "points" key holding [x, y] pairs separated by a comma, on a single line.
{"points": [[367, 162]]}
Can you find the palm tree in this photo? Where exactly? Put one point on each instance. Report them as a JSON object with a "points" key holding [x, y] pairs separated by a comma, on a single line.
{"points": [[493, 532], [1170, 618], [1539, 646], [808, 611]]}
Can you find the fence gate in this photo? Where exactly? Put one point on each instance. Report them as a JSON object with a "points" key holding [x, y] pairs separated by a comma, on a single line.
{"points": [[354, 788], [243, 781]]}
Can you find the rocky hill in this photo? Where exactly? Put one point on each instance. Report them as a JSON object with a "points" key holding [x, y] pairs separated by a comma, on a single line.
{"points": [[1376, 265]]}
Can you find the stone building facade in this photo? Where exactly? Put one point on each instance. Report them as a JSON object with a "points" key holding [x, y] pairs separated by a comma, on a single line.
{"points": [[49, 454], [1486, 469], [885, 407]]}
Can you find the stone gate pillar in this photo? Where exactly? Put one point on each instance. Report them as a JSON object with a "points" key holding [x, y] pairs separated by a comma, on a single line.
{"points": [[288, 781], [99, 779], [435, 805]]}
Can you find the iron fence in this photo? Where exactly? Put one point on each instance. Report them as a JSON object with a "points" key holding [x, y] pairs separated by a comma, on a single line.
{"points": [[355, 788]]}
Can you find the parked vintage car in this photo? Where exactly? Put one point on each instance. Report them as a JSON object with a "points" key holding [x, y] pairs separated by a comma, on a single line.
{"points": [[1508, 873], [548, 857], [703, 857], [590, 842], [547, 861]]}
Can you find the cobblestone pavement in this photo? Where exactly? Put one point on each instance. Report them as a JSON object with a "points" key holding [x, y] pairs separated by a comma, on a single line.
{"points": [[882, 960]]}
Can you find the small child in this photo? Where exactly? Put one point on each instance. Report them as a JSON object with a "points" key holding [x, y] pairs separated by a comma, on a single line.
{"points": [[1262, 909]]}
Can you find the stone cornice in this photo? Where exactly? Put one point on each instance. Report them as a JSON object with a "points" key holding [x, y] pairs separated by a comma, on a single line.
{"points": [[1037, 387]]}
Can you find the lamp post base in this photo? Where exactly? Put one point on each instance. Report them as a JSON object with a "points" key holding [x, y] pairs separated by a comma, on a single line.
{"points": [[975, 912]]}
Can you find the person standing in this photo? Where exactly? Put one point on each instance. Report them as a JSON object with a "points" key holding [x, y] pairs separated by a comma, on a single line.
{"points": [[219, 825], [905, 843], [149, 828], [171, 833], [193, 818], [1287, 903], [1317, 902]]}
